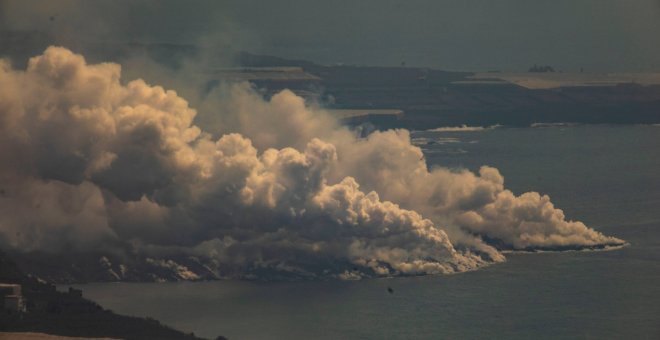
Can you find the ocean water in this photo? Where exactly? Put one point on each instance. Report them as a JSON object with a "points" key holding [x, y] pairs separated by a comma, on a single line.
{"points": [[605, 176]]}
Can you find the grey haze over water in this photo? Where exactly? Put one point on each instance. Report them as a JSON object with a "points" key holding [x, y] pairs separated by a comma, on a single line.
{"points": [[474, 35], [603, 175]]}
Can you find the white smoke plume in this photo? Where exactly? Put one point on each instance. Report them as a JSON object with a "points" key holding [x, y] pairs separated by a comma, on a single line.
{"points": [[88, 162]]}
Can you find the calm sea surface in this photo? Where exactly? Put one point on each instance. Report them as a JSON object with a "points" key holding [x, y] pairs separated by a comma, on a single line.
{"points": [[605, 176]]}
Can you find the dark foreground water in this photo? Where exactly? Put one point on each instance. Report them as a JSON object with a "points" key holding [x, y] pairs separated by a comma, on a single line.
{"points": [[606, 176]]}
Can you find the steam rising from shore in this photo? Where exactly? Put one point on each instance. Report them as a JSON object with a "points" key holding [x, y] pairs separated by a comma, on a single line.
{"points": [[89, 163]]}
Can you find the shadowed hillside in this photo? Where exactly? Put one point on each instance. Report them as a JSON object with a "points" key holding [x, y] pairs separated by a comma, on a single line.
{"points": [[69, 314]]}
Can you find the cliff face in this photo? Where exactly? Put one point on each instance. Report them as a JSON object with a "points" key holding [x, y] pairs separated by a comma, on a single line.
{"points": [[432, 98], [436, 98]]}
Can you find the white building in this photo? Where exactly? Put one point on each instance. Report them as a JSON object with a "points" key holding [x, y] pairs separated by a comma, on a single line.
{"points": [[12, 297]]}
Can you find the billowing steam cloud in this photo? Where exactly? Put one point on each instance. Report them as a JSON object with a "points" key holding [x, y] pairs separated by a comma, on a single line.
{"points": [[87, 162]]}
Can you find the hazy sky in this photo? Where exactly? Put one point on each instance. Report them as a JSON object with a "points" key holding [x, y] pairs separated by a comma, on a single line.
{"points": [[451, 34], [93, 162]]}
